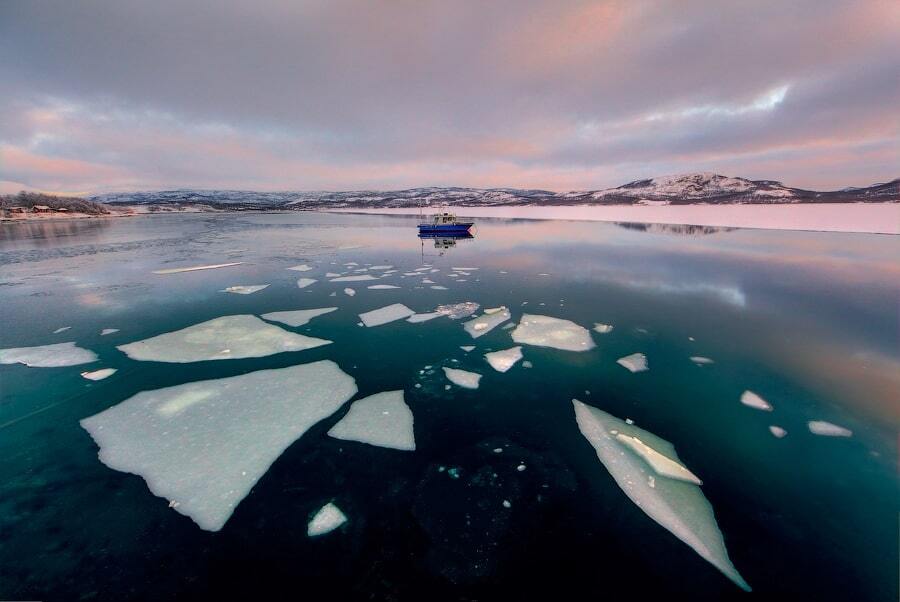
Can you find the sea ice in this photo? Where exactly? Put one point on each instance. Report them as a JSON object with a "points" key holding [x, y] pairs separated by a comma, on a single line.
{"points": [[382, 287], [349, 292], [107, 331], [204, 445], [501, 361], [462, 378], [228, 337], [361, 278], [327, 519], [602, 328], [99, 374], [382, 419], [467, 348], [484, 324], [455, 311], [381, 267], [197, 267], [62, 329], [438, 287], [304, 282], [331, 274], [636, 362], [544, 331], [527, 364], [298, 317], [751, 399], [777, 431], [678, 506], [416, 318], [301, 268], [827, 429], [48, 356], [245, 290], [700, 360], [377, 317], [660, 464], [464, 269]]}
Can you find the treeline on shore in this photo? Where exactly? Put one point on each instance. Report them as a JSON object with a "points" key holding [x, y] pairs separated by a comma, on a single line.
{"points": [[30, 200]]}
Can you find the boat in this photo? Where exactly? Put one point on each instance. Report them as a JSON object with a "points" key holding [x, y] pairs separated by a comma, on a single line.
{"points": [[445, 223]]}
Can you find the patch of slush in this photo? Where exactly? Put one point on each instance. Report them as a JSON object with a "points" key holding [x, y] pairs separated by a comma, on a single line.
{"points": [[827, 429], [245, 290], [327, 519], [304, 282], [349, 292], [197, 267], [467, 348], [204, 445], [462, 378], [456, 311], [361, 278], [662, 465], [382, 419], [107, 331], [298, 317], [61, 329], [636, 362], [301, 268], [486, 323], [377, 317], [701, 361], [99, 374], [777, 432], [382, 287], [48, 356], [501, 361], [545, 331], [228, 337], [677, 505], [417, 318], [751, 399]]}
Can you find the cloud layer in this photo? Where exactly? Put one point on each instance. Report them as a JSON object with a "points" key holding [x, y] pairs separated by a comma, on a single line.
{"points": [[279, 94]]}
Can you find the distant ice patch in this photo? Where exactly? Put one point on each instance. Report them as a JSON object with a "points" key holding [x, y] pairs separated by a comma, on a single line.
{"points": [[438, 287], [501, 361], [486, 323], [467, 348], [298, 317], [99, 374], [636, 362], [377, 317], [349, 292], [62, 329], [827, 429], [107, 331], [382, 287], [700, 360], [382, 419], [197, 268], [417, 318], [245, 289], [545, 331], [456, 311], [360, 278], [602, 328], [327, 519], [48, 356], [777, 432], [751, 399], [304, 282], [462, 378], [301, 268]]}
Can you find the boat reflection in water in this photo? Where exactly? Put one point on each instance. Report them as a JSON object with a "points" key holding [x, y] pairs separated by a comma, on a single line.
{"points": [[444, 241]]}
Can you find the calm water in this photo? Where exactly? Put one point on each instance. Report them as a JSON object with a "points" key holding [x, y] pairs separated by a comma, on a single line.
{"points": [[807, 320]]}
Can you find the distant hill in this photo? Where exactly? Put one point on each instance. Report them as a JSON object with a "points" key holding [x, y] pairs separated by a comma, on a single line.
{"points": [[28, 200], [685, 189]]}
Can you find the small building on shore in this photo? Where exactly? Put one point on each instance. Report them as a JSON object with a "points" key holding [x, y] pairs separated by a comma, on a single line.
{"points": [[40, 209]]}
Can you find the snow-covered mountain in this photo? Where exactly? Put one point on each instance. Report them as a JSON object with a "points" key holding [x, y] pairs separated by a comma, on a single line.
{"points": [[684, 189]]}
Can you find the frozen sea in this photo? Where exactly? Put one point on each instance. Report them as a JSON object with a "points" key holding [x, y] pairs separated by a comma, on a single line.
{"points": [[746, 439]]}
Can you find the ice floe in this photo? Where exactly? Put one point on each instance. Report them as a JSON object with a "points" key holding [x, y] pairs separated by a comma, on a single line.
{"points": [[61, 329], [438, 287], [462, 378], [48, 356], [381, 267], [827, 429], [332, 274], [602, 328], [301, 268], [99, 374], [304, 282], [382, 419], [661, 465], [349, 292], [501, 361], [484, 324], [751, 399], [701, 361], [203, 445], [383, 315], [298, 317], [417, 318], [107, 331], [777, 432], [545, 331], [246, 289], [382, 287], [677, 505], [361, 278], [228, 337], [467, 348], [463, 269], [456, 311], [197, 268], [636, 362], [327, 519]]}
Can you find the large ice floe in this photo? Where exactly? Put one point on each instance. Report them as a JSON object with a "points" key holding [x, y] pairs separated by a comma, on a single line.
{"points": [[382, 419], [228, 337], [827, 429], [298, 317], [304, 282], [328, 518], [244, 289], [197, 268], [377, 317], [203, 445], [636, 362], [360, 278], [48, 356], [752, 400], [486, 323], [544, 331], [501, 361], [462, 378], [677, 504]]}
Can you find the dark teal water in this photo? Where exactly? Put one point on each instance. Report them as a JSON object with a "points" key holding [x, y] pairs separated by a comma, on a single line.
{"points": [[807, 320]]}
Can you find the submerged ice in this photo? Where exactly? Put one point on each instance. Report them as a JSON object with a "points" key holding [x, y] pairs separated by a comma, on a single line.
{"points": [[382, 419]]}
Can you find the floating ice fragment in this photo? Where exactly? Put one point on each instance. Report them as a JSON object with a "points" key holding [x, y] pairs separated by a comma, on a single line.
{"points": [[99, 374], [349, 292], [48, 356], [228, 337], [827, 429], [382, 287], [304, 282], [507, 504], [462, 378], [661, 464], [484, 324], [381, 267], [205, 444], [245, 290], [467, 348], [677, 505], [777, 431], [301, 268], [298, 317], [464, 269], [751, 399], [361, 278], [545, 331], [351, 264], [327, 519], [63, 329], [520, 468], [377, 317], [382, 419], [455, 311], [438, 287], [494, 310], [416, 318], [410, 273], [602, 328], [427, 281], [700, 360], [636, 362], [331, 274], [527, 364], [197, 267], [107, 331], [501, 361]]}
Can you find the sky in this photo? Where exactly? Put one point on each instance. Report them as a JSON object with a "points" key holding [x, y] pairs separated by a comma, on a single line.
{"points": [[331, 95]]}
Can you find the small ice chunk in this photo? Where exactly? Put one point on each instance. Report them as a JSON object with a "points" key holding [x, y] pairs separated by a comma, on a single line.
{"points": [[455, 311], [298, 317], [467, 348], [777, 431], [427, 281], [751, 399], [438, 287], [462, 378], [48, 356], [107, 331], [463, 269], [381, 267], [545, 331], [382, 419], [416, 318], [700, 360], [301, 268], [377, 317], [361, 278], [351, 263], [660, 464], [304, 282], [382, 287], [228, 337], [410, 273], [827, 429], [602, 328], [245, 289], [349, 292], [332, 274], [99, 374], [636, 362], [327, 519], [484, 324], [507, 504], [501, 361], [520, 468], [494, 310], [527, 364], [197, 267], [62, 329]]}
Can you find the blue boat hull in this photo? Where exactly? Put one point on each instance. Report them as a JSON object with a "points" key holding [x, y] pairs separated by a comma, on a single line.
{"points": [[460, 228]]}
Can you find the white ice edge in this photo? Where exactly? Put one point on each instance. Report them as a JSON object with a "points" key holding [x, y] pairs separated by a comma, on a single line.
{"points": [[197, 268]]}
